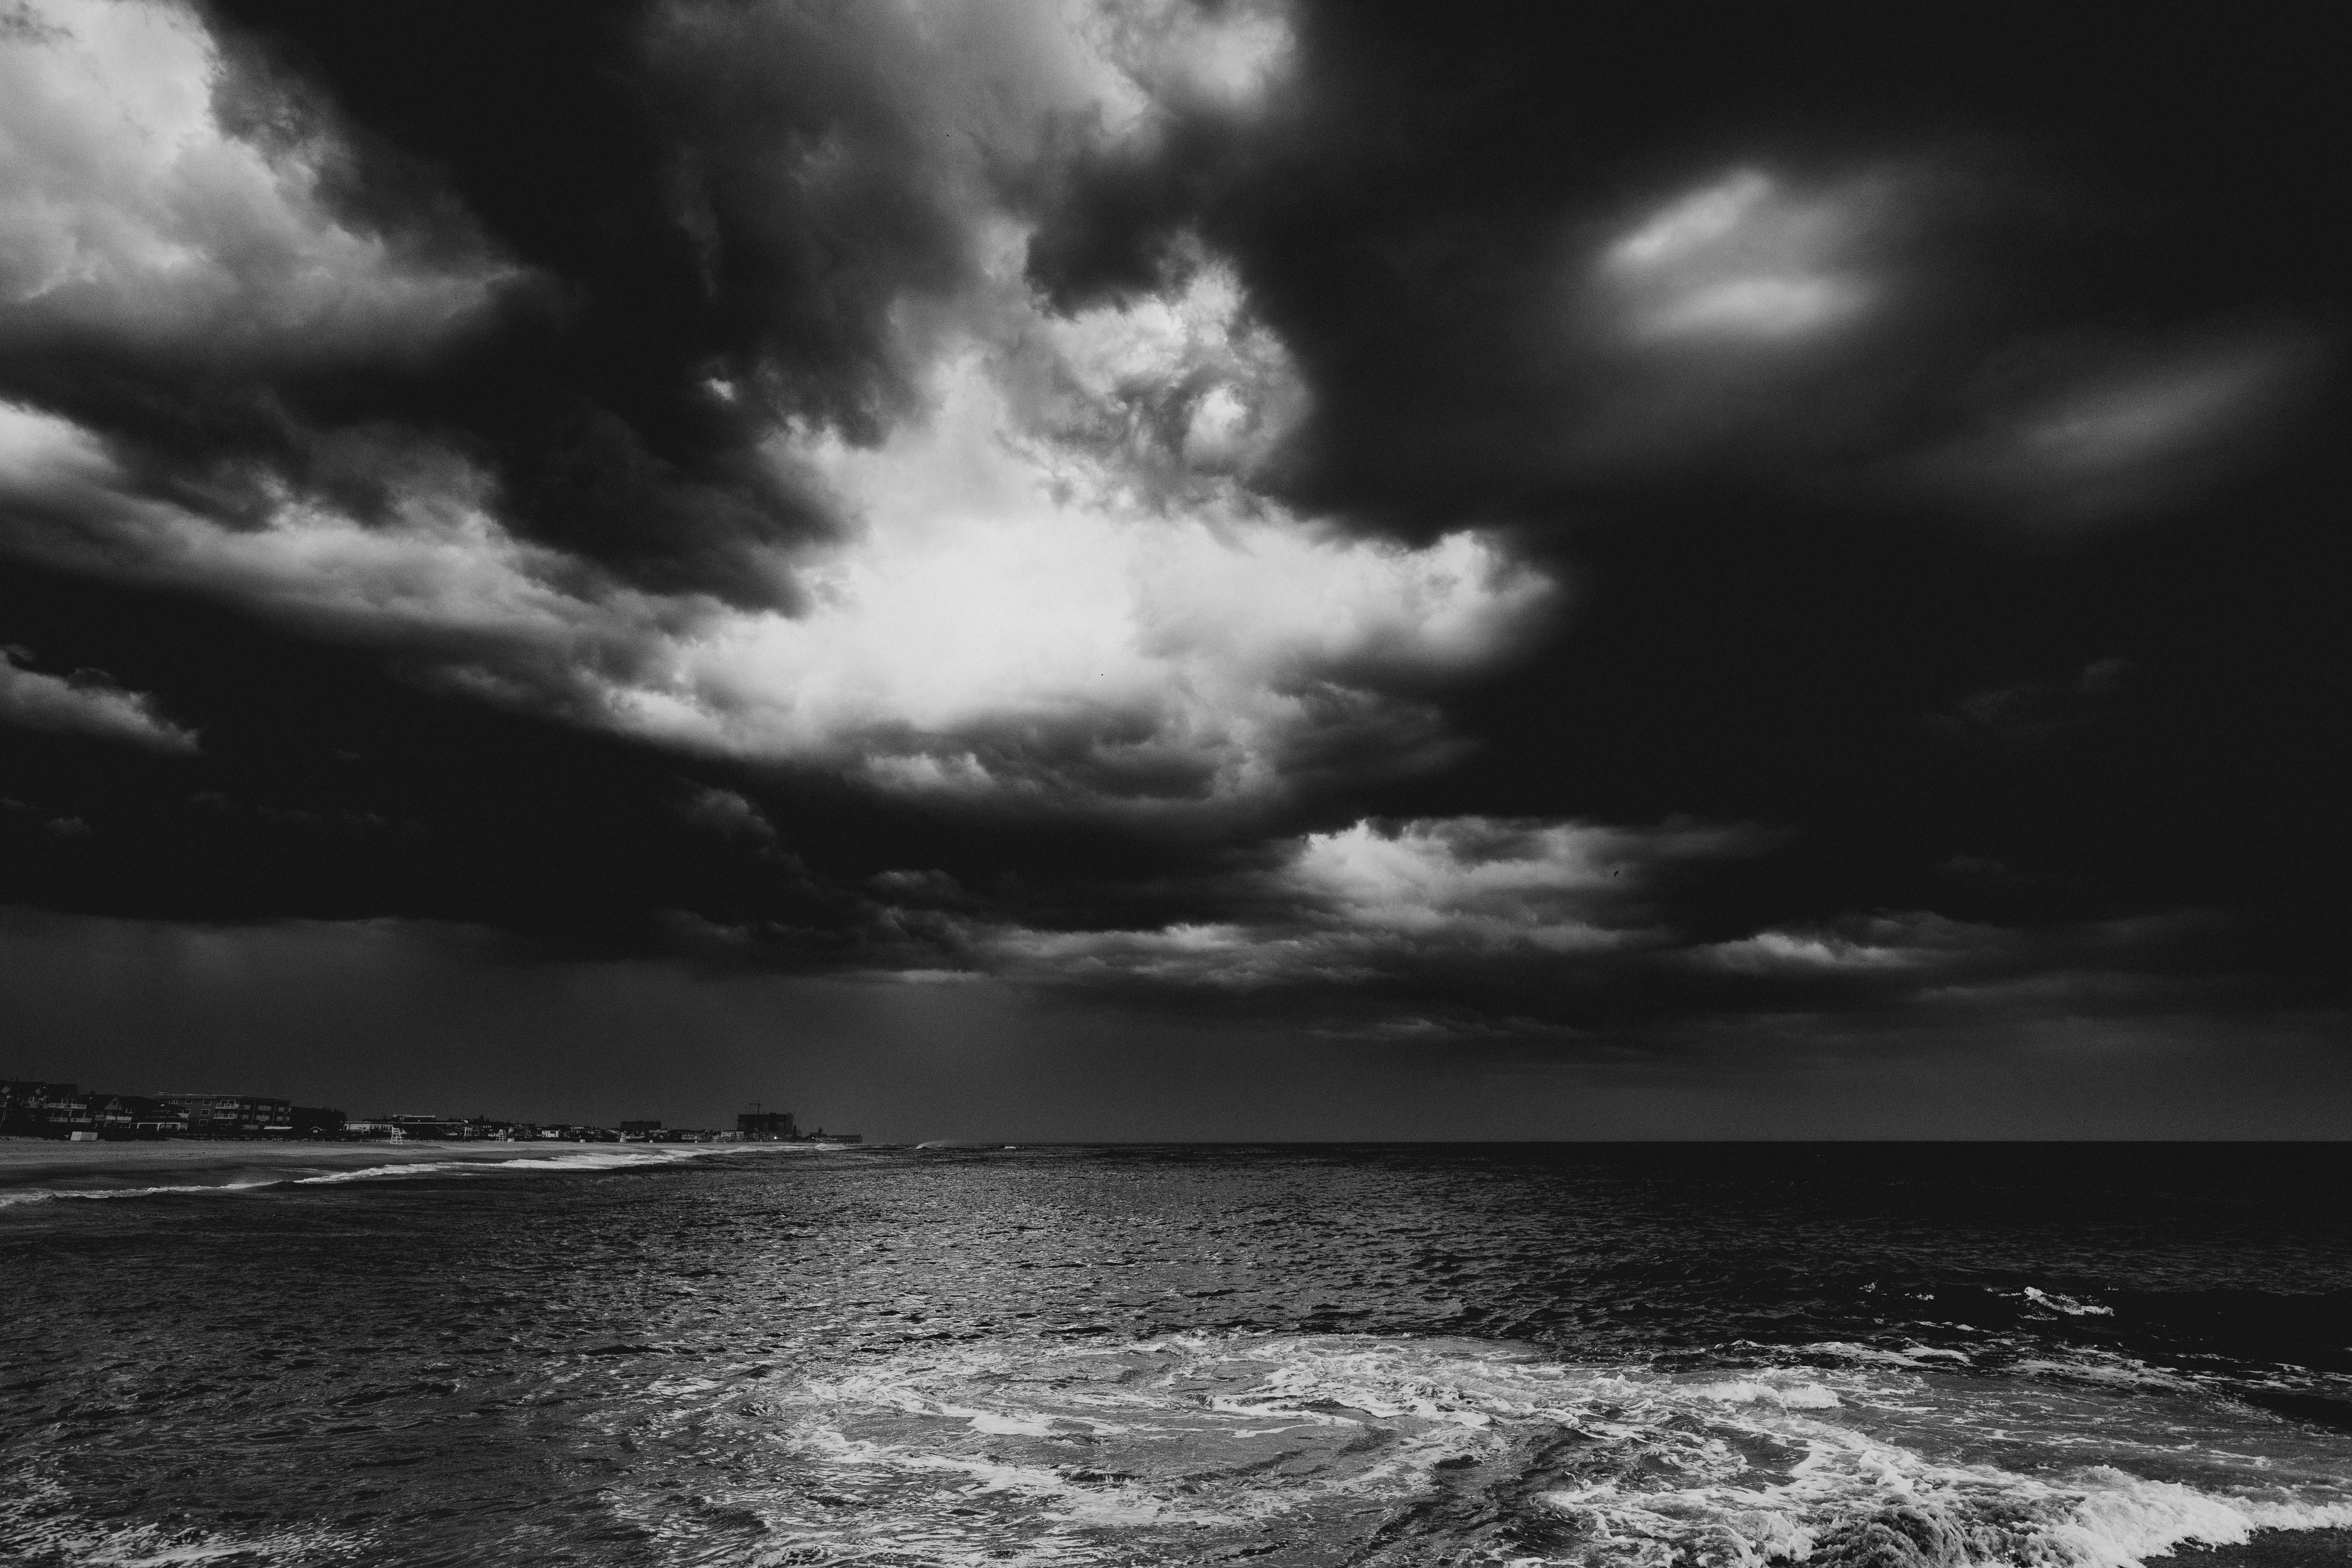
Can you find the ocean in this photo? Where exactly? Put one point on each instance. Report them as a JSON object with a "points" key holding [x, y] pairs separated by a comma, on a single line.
{"points": [[1849, 1356]]}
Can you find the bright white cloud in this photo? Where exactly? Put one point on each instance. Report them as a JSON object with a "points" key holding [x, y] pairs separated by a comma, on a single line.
{"points": [[1058, 586], [1745, 260], [1225, 56], [1054, 583], [1013, 614], [129, 213], [438, 579], [1775, 950], [1878, 943], [1365, 900], [86, 703], [1736, 321], [1182, 384], [1557, 886], [1009, 580]]}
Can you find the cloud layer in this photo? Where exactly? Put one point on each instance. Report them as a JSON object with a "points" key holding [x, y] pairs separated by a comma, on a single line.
{"points": [[1402, 525], [86, 703], [1045, 576], [146, 219]]}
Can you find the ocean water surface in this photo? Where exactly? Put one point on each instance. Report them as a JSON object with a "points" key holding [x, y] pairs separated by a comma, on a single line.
{"points": [[1858, 1356]]}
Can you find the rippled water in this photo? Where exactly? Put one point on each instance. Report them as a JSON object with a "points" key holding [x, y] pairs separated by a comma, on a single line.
{"points": [[1617, 1355]]}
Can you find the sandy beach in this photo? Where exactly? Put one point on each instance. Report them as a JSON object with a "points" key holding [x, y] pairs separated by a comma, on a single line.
{"points": [[49, 1163]]}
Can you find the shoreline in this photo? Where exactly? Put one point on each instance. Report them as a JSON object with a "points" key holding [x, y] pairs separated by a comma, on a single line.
{"points": [[39, 1162]]}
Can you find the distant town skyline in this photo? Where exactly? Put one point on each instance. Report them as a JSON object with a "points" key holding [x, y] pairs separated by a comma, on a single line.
{"points": [[1150, 568], [67, 1110]]}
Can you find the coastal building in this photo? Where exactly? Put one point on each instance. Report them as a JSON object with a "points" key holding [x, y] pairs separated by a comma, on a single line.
{"points": [[37, 1108], [232, 1115], [778, 1127], [767, 1126], [437, 1129], [157, 1118], [133, 1116]]}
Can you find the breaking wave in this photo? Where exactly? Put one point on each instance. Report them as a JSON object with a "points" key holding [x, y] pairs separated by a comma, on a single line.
{"points": [[1202, 1448], [232, 1177]]}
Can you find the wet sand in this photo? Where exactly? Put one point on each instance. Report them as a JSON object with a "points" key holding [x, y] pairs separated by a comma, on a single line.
{"points": [[46, 1161]]}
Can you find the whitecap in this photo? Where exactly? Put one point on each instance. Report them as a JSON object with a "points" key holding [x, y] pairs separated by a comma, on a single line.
{"points": [[1404, 1450], [2070, 1305]]}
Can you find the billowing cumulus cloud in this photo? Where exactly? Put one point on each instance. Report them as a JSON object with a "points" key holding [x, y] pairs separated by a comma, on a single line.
{"points": [[1373, 521], [724, 812], [915, 139], [1226, 57], [1046, 577], [1060, 583], [1001, 620], [1916, 943], [206, 263], [1371, 903], [86, 702], [181, 264], [1558, 935], [1560, 887], [439, 580], [131, 217]]}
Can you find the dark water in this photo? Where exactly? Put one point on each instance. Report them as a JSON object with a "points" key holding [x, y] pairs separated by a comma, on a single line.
{"points": [[1848, 1355]]}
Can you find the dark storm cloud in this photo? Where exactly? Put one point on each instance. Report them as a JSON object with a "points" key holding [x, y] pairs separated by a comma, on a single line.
{"points": [[1033, 569], [1563, 938], [693, 224], [372, 1016], [603, 257], [2031, 711], [1614, 535], [724, 812], [83, 702], [179, 276], [587, 394], [2059, 438], [1531, 269]]}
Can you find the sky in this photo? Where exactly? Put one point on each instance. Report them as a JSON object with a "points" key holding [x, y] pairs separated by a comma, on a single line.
{"points": [[1161, 569]]}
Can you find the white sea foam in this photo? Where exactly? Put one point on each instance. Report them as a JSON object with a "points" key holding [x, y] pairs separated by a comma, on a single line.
{"points": [[2030, 1357], [22, 1196], [36, 1521], [2103, 1367], [1802, 1396], [596, 1158], [2071, 1306], [1907, 1355], [1396, 1451]]}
